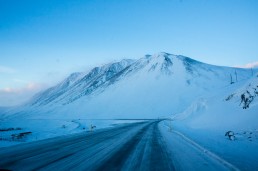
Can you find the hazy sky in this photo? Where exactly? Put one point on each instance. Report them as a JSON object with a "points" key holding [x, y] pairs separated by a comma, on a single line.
{"points": [[41, 41]]}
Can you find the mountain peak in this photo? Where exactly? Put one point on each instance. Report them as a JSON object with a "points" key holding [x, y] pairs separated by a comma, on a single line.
{"points": [[78, 85]]}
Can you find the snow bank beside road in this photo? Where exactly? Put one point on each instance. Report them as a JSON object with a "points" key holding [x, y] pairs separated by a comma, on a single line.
{"points": [[194, 156], [49, 128], [208, 119]]}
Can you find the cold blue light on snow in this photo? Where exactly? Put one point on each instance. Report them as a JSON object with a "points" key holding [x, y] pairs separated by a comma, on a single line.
{"points": [[44, 40]]}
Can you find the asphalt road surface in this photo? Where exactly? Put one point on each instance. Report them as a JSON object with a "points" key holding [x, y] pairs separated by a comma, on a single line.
{"points": [[135, 146]]}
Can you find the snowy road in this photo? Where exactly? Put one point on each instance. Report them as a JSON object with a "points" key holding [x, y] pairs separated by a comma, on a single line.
{"points": [[135, 146]]}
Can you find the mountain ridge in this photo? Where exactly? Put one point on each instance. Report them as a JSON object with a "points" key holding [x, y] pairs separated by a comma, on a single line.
{"points": [[127, 87], [99, 76]]}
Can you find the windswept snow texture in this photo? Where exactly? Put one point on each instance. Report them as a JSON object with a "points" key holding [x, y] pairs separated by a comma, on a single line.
{"points": [[136, 146], [154, 86], [204, 101], [246, 96], [207, 120], [81, 84]]}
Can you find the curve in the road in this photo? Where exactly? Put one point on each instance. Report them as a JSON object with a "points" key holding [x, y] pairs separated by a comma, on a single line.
{"points": [[128, 147]]}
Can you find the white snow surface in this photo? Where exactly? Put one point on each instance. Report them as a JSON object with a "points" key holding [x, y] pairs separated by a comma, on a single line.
{"points": [[209, 117], [153, 86], [198, 97], [49, 128]]}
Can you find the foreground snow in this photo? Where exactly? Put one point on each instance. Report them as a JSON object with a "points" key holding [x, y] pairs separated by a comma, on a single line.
{"points": [[136, 146], [183, 149], [48, 128], [208, 119], [124, 147], [242, 153], [199, 99]]}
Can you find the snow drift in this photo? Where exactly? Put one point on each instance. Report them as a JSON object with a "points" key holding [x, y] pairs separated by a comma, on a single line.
{"points": [[154, 86]]}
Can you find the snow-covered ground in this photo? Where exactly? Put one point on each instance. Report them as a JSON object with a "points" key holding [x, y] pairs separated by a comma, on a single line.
{"points": [[241, 152], [185, 151], [208, 119], [49, 128], [137, 146], [204, 101]]}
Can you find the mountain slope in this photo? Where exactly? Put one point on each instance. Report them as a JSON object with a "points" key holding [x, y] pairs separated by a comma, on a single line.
{"points": [[154, 86], [80, 84]]}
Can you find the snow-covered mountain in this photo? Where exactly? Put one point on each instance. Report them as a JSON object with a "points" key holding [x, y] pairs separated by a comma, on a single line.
{"points": [[203, 101], [154, 86], [78, 85], [246, 95]]}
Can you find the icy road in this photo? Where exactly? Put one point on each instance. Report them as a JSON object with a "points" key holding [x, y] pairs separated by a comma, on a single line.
{"points": [[136, 146]]}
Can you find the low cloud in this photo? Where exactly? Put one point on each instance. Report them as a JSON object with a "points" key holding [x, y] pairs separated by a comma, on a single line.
{"points": [[249, 65], [6, 70], [16, 96], [28, 87]]}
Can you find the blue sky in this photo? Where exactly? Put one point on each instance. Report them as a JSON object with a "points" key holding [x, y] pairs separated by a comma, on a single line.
{"points": [[41, 41]]}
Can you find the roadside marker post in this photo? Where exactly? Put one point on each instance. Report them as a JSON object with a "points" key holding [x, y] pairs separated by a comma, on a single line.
{"points": [[92, 127], [170, 125]]}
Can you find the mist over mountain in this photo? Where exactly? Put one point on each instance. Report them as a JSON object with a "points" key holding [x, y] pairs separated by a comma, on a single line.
{"points": [[154, 86]]}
